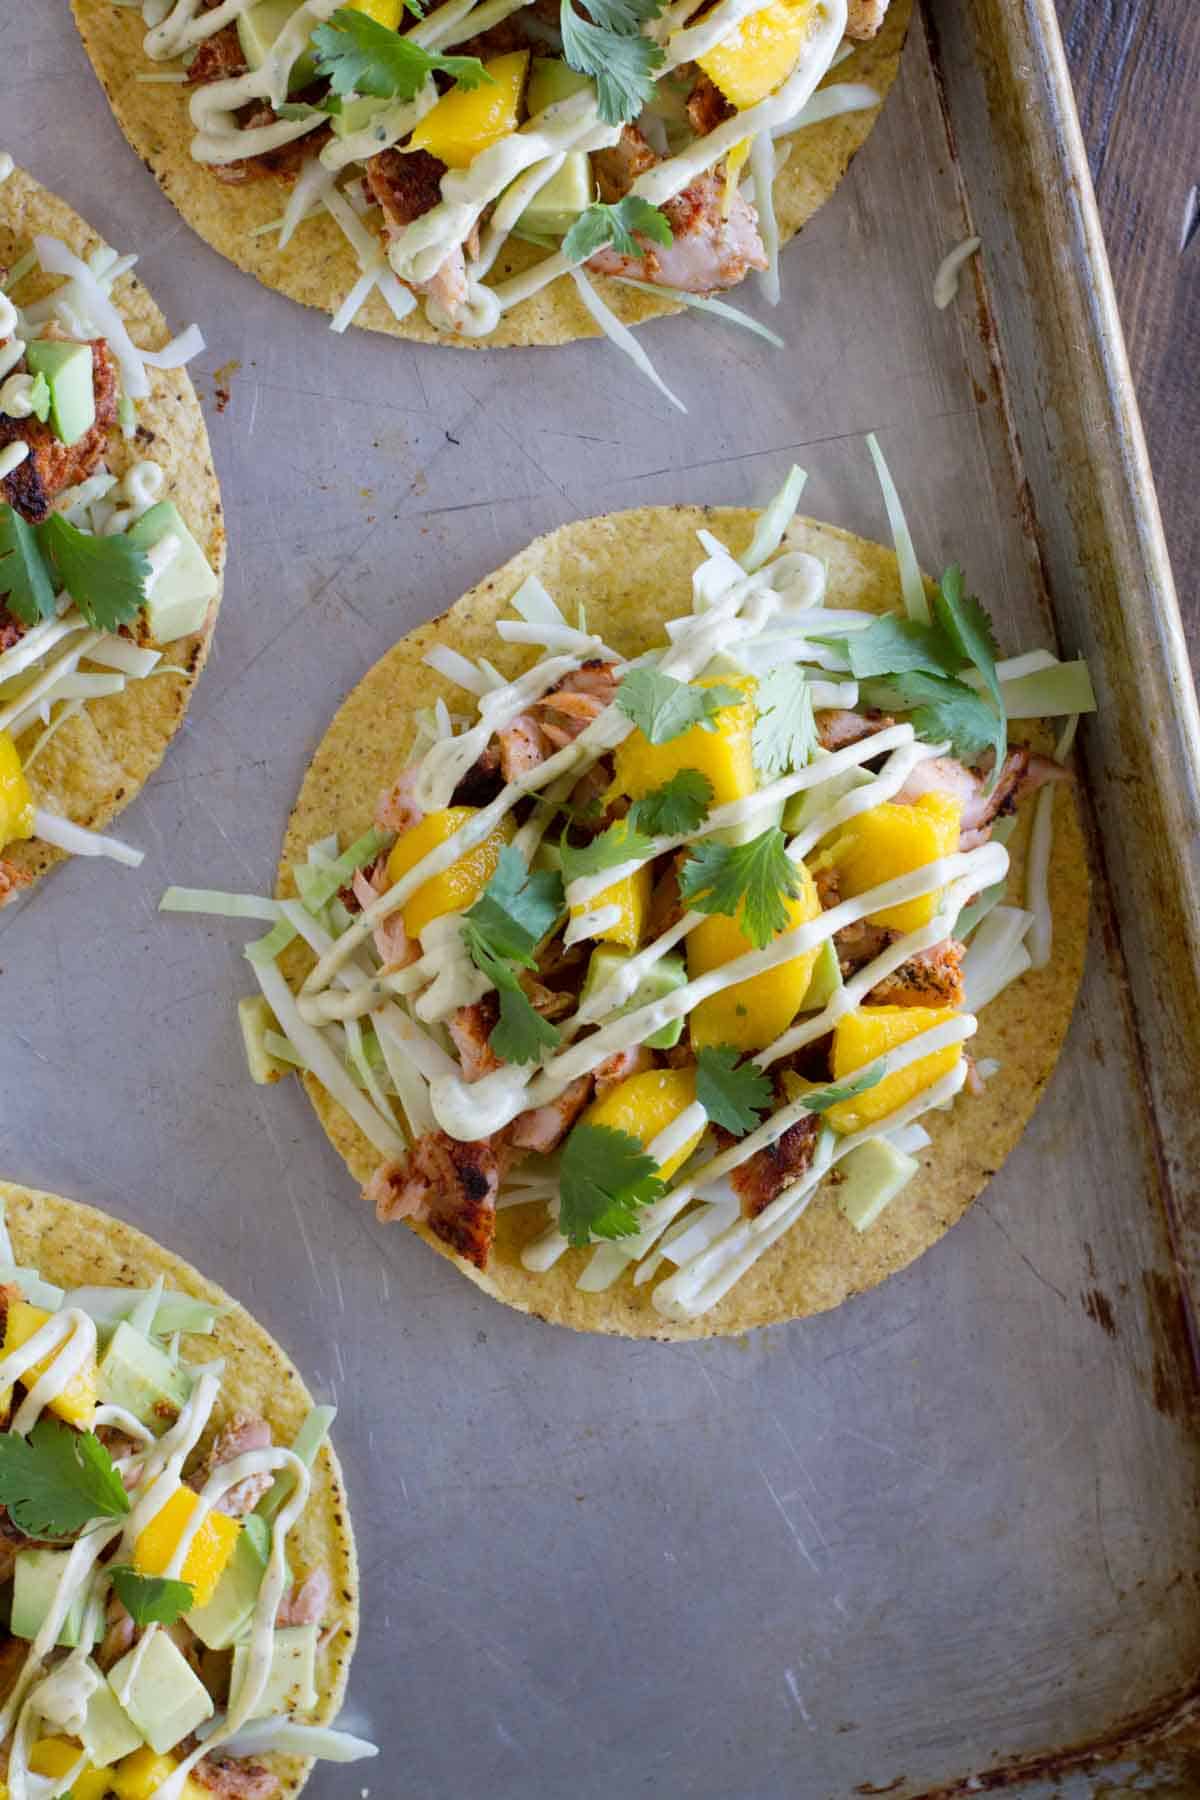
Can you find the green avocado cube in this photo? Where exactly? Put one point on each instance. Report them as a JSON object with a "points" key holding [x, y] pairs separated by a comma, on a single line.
{"points": [[259, 26], [291, 1683], [356, 114], [165, 1699], [872, 1176], [136, 1374], [555, 207], [225, 1618], [551, 80], [36, 1575], [67, 369], [108, 1731], [180, 594], [825, 980], [667, 974]]}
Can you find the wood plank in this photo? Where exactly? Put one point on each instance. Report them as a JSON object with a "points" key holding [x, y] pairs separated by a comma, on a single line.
{"points": [[1137, 71]]}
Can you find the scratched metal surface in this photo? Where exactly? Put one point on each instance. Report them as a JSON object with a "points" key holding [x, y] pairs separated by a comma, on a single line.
{"points": [[949, 1526]]}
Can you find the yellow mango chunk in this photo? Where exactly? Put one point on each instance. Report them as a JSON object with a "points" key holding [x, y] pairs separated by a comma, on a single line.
{"points": [[751, 1014], [16, 802], [209, 1551], [893, 840], [872, 1031], [646, 1104], [632, 895], [725, 755], [77, 1402], [468, 120], [54, 1756], [761, 53], [458, 886], [387, 13], [140, 1775]]}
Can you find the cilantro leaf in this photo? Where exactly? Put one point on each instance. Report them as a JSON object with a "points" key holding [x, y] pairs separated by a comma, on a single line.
{"points": [[719, 878], [677, 808], [967, 627], [604, 1176], [151, 1599], [39, 398], [942, 707], [105, 576], [25, 582], [820, 1099], [601, 225], [622, 842], [785, 732], [360, 56], [517, 907], [521, 1034], [892, 646], [56, 1480], [614, 53], [733, 1094], [663, 708]]}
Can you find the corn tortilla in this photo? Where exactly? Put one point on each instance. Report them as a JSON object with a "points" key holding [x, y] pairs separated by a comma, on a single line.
{"points": [[76, 1246], [632, 572], [319, 267], [92, 768]]}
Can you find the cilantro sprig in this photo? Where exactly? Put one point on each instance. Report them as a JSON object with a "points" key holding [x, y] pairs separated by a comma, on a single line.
{"points": [[663, 708], [785, 732], [677, 808], [732, 1093], [758, 878], [151, 1599], [613, 51], [600, 226], [501, 931], [105, 576], [604, 1177], [26, 584], [621, 843], [820, 1099], [55, 1481], [361, 56]]}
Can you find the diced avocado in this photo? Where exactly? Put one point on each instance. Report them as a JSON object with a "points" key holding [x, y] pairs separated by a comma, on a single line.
{"points": [[68, 372], [803, 807], [256, 1019], [872, 1177], [551, 80], [356, 114], [36, 1575], [108, 1731], [667, 974], [291, 1683], [825, 980], [222, 1622], [555, 207], [179, 596], [136, 1374], [259, 26], [165, 1700]]}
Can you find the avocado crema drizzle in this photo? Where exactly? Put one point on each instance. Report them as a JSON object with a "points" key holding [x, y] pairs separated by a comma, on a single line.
{"points": [[61, 1698], [749, 614], [56, 666], [507, 175]]}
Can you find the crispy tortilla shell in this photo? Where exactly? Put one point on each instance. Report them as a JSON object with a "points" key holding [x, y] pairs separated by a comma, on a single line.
{"points": [[319, 268], [98, 760], [76, 1246], [632, 571]]}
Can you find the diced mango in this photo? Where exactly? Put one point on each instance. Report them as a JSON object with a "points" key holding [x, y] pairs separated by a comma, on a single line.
{"points": [[387, 13], [139, 1777], [468, 120], [751, 1014], [458, 886], [77, 1402], [872, 1031], [16, 802], [761, 53], [209, 1551], [54, 1756], [645, 1104], [725, 755], [893, 840], [632, 895]]}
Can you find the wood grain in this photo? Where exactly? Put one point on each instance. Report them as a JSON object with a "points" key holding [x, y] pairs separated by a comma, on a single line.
{"points": [[1136, 65]]}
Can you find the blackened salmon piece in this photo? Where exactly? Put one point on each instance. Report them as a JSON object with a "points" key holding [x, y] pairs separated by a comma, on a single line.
{"points": [[482, 781], [617, 169], [712, 245], [218, 58], [235, 1779], [837, 728], [931, 978], [470, 1029], [11, 630], [543, 1128], [52, 466], [707, 106], [448, 1184], [404, 185], [763, 1176]]}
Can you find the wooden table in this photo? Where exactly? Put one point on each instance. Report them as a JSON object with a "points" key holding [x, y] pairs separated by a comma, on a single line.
{"points": [[1137, 75]]}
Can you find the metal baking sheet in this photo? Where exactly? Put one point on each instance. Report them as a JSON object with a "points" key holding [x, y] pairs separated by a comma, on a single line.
{"points": [[943, 1539]]}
